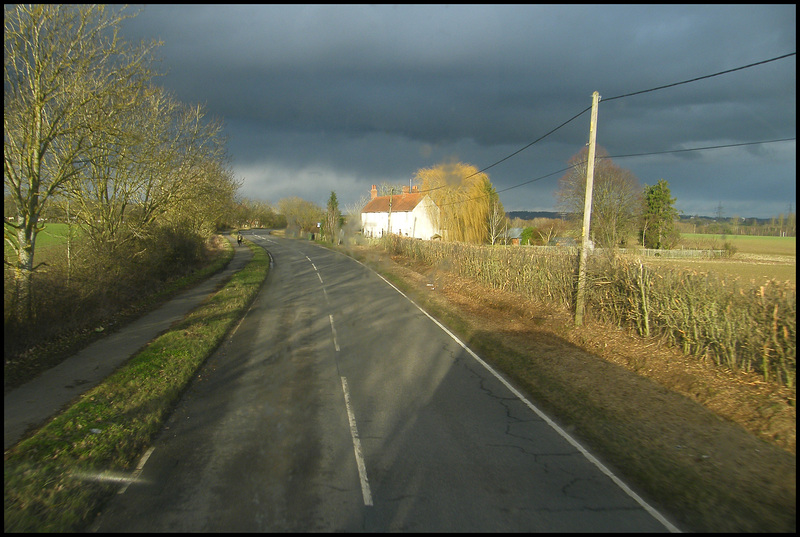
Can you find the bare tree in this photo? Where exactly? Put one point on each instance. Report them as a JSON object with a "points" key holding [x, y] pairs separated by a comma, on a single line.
{"points": [[352, 215], [256, 213], [497, 220], [548, 228], [301, 215], [63, 65], [615, 198]]}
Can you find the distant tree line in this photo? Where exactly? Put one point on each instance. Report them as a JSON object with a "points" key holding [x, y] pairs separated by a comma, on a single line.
{"points": [[783, 225]]}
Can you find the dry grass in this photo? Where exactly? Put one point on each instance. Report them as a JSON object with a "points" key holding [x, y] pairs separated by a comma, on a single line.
{"points": [[715, 448]]}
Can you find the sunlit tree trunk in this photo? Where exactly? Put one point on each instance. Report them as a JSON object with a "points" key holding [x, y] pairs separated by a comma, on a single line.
{"points": [[61, 63]]}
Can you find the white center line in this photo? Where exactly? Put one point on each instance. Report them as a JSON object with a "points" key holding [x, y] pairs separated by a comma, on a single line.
{"points": [[335, 342], [362, 469]]}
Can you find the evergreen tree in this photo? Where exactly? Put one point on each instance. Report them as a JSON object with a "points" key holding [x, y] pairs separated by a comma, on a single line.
{"points": [[657, 229], [332, 218]]}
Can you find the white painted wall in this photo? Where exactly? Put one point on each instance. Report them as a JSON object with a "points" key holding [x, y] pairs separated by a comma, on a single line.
{"points": [[416, 223]]}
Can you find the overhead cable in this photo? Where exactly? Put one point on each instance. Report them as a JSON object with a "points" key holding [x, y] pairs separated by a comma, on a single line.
{"points": [[620, 156], [702, 77], [636, 93], [576, 116], [698, 148], [630, 95]]}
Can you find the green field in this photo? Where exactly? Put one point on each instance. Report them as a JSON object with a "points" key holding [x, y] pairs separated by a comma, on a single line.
{"points": [[52, 236], [744, 244], [756, 259]]}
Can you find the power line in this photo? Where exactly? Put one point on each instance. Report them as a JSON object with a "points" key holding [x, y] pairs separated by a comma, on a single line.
{"points": [[576, 116], [630, 95], [702, 77], [636, 154], [699, 148], [515, 186], [618, 156]]}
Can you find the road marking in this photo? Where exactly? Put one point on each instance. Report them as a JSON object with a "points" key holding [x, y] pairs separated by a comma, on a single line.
{"points": [[320, 278], [335, 343], [362, 469], [647, 507], [138, 471]]}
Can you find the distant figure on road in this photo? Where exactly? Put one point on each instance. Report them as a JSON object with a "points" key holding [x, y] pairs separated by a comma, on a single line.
{"points": [[239, 238]]}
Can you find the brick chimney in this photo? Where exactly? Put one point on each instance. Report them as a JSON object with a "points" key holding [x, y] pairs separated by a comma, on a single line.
{"points": [[414, 189], [374, 192]]}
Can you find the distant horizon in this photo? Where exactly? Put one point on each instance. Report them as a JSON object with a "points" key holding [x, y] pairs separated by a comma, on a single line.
{"points": [[557, 214]]}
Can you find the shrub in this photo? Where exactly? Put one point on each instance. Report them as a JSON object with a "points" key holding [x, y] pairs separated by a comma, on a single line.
{"points": [[741, 328]]}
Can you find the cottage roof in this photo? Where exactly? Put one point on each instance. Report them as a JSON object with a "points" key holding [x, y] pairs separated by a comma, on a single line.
{"points": [[513, 233], [400, 203]]}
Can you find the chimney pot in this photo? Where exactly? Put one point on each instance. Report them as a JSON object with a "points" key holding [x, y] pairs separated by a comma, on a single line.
{"points": [[374, 192]]}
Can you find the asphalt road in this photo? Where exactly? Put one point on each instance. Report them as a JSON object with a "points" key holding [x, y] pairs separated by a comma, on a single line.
{"points": [[338, 405]]}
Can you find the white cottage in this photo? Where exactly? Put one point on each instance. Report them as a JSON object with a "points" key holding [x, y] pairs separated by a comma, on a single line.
{"points": [[410, 214]]}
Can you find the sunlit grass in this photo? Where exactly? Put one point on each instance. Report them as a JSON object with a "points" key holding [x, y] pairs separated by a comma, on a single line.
{"points": [[756, 259], [749, 273], [110, 426], [745, 244]]}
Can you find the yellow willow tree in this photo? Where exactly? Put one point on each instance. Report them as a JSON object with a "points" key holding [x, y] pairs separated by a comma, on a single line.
{"points": [[466, 199]]}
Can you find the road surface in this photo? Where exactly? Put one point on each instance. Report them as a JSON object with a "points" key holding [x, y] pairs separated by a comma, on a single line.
{"points": [[338, 405]]}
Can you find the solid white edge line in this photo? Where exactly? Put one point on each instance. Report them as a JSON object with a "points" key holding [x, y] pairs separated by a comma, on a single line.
{"points": [[362, 469], [647, 507]]}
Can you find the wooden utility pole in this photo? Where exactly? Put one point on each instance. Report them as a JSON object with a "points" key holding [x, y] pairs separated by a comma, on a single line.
{"points": [[587, 213], [389, 224]]}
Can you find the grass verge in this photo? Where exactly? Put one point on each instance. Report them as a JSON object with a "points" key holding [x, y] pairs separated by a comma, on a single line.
{"points": [[18, 369], [57, 478]]}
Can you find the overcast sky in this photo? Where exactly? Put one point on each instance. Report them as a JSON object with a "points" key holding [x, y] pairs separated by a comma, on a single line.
{"points": [[336, 98]]}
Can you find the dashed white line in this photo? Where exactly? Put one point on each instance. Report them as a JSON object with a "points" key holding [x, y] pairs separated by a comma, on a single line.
{"points": [[362, 469], [138, 471], [333, 330]]}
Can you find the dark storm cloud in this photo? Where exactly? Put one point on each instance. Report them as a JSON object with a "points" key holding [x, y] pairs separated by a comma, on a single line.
{"points": [[321, 98]]}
